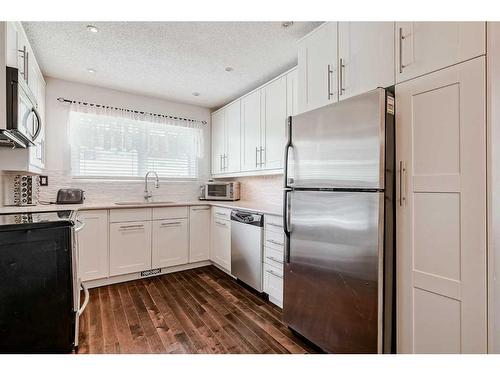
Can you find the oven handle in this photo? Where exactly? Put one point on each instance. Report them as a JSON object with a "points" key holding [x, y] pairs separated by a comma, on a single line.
{"points": [[85, 301]]}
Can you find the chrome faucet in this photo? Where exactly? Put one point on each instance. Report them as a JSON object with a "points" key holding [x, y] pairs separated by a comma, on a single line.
{"points": [[147, 193]]}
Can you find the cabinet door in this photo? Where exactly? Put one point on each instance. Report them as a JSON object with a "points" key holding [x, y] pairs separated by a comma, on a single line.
{"points": [[129, 247], [317, 67], [199, 233], [12, 43], [170, 243], [366, 57], [251, 123], [221, 242], [218, 139], [93, 255], [292, 92], [423, 47], [233, 138], [441, 214], [274, 124]]}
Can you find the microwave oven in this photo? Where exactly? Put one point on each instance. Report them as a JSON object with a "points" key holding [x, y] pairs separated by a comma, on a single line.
{"points": [[23, 123], [222, 191]]}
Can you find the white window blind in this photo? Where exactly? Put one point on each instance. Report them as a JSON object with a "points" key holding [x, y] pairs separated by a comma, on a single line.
{"points": [[110, 143]]}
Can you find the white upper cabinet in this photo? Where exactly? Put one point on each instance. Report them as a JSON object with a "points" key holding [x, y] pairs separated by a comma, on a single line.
{"points": [[250, 131], [274, 111], [423, 47], [231, 162], [218, 140], [317, 67], [366, 57]]}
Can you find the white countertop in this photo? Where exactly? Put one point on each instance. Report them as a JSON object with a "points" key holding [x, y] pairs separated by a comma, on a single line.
{"points": [[249, 206]]}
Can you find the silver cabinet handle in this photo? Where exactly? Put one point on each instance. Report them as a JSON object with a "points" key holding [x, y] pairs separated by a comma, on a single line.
{"points": [[218, 222], [256, 157], [275, 225], [401, 38], [201, 209], [224, 165], [221, 214], [85, 301], [262, 149], [171, 224], [131, 227], [271, 272], [276, 242], [220, 162], [275, 259], [329, 76], [402, 183], [341, 76]]}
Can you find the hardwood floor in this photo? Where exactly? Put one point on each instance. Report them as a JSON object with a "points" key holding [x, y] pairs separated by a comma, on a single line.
{"points": [[195, 311]]}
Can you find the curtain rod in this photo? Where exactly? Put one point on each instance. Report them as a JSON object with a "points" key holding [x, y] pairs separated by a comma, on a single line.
{"points": [[63, 100]]}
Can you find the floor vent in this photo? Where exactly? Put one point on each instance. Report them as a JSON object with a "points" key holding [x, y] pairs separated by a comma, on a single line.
{"points": [[156, 271]]}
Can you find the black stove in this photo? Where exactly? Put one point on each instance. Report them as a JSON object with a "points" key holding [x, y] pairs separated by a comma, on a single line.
{"points": [[31, 220]]}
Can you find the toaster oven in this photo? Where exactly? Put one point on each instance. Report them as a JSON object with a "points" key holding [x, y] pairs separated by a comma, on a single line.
{"points": [[222, 191]]}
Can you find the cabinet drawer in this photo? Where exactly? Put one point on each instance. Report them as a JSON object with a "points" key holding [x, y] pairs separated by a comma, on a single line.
{"points": [[222, 213], [274, 240], [129, 214], [160, 213], [273, 284], [274, 257], [273, 223]]}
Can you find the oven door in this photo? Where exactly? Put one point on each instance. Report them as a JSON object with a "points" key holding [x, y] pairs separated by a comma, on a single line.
{"points": [[217, 191]]}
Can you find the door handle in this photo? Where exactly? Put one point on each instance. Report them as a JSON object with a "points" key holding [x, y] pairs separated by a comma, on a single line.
{"points": [[201, 209], [262, 149], [330, 72], [275, 242], [288, 146], [341, 76], [256, 157], [286, 221], [401, 38], [275, 225], [274, 274], [85, 301], [174, 223], [275, 259], [218, 222], [402, 183]]}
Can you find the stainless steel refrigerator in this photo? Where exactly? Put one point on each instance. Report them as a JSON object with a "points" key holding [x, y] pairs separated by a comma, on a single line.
{"points": [[339, 225]]}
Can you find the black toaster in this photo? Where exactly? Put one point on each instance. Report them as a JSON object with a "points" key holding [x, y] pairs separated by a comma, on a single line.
{"points": [[70, 196]]}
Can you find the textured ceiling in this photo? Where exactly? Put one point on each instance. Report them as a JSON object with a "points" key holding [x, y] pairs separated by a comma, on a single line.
{"points": [[170, 60]]}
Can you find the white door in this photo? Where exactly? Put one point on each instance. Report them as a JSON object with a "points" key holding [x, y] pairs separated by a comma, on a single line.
{"points": [[423, 47], [441, 215], [366, 57], [250, 128], [170, 246], [199, 233], [233, 138], [274, 123], [221, 242], [93, 261], [218, 141], [317, 67], [129, 247], [292, 92]]}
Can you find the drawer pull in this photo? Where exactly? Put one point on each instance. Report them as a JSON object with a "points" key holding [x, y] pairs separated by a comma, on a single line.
{"points": [[275, 259], [221, 214], [201, 209], [275, 225], [218, 222], [271, 272], [276, 242], [175, 223], [131, 227]]}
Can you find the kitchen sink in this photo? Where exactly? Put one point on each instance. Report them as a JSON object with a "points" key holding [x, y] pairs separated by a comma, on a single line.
{"points": [[136, 203]]}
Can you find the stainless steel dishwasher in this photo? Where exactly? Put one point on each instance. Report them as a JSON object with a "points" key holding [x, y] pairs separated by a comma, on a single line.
{"points": [[246, 247]]}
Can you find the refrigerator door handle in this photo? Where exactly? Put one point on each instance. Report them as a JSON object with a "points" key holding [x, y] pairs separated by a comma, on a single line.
{"points": [[286, 223], [287, 148]]}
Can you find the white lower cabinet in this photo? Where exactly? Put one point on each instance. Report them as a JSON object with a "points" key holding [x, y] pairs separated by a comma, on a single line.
{"points": [[199, 233], [170, 243], [273, 284], [129, 247], [93, 257], [221, 242]]}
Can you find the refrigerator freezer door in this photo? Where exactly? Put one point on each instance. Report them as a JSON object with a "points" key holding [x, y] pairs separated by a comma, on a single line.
{"points": [[334, 276], [340, 145]]}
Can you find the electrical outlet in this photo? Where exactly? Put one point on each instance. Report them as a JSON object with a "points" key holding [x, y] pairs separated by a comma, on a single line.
{"points": [[44, 180]]}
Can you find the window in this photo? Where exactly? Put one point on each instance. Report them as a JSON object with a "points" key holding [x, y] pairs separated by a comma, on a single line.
{"points": [[113, 144]]}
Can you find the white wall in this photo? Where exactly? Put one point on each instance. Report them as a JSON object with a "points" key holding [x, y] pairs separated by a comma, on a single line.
{"points": [[58, 163]]}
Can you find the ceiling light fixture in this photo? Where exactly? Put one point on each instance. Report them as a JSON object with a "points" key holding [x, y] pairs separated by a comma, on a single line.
{"points": [[196, 93], [92, 29], [286, 24], [228, 69], [91, 71]]}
